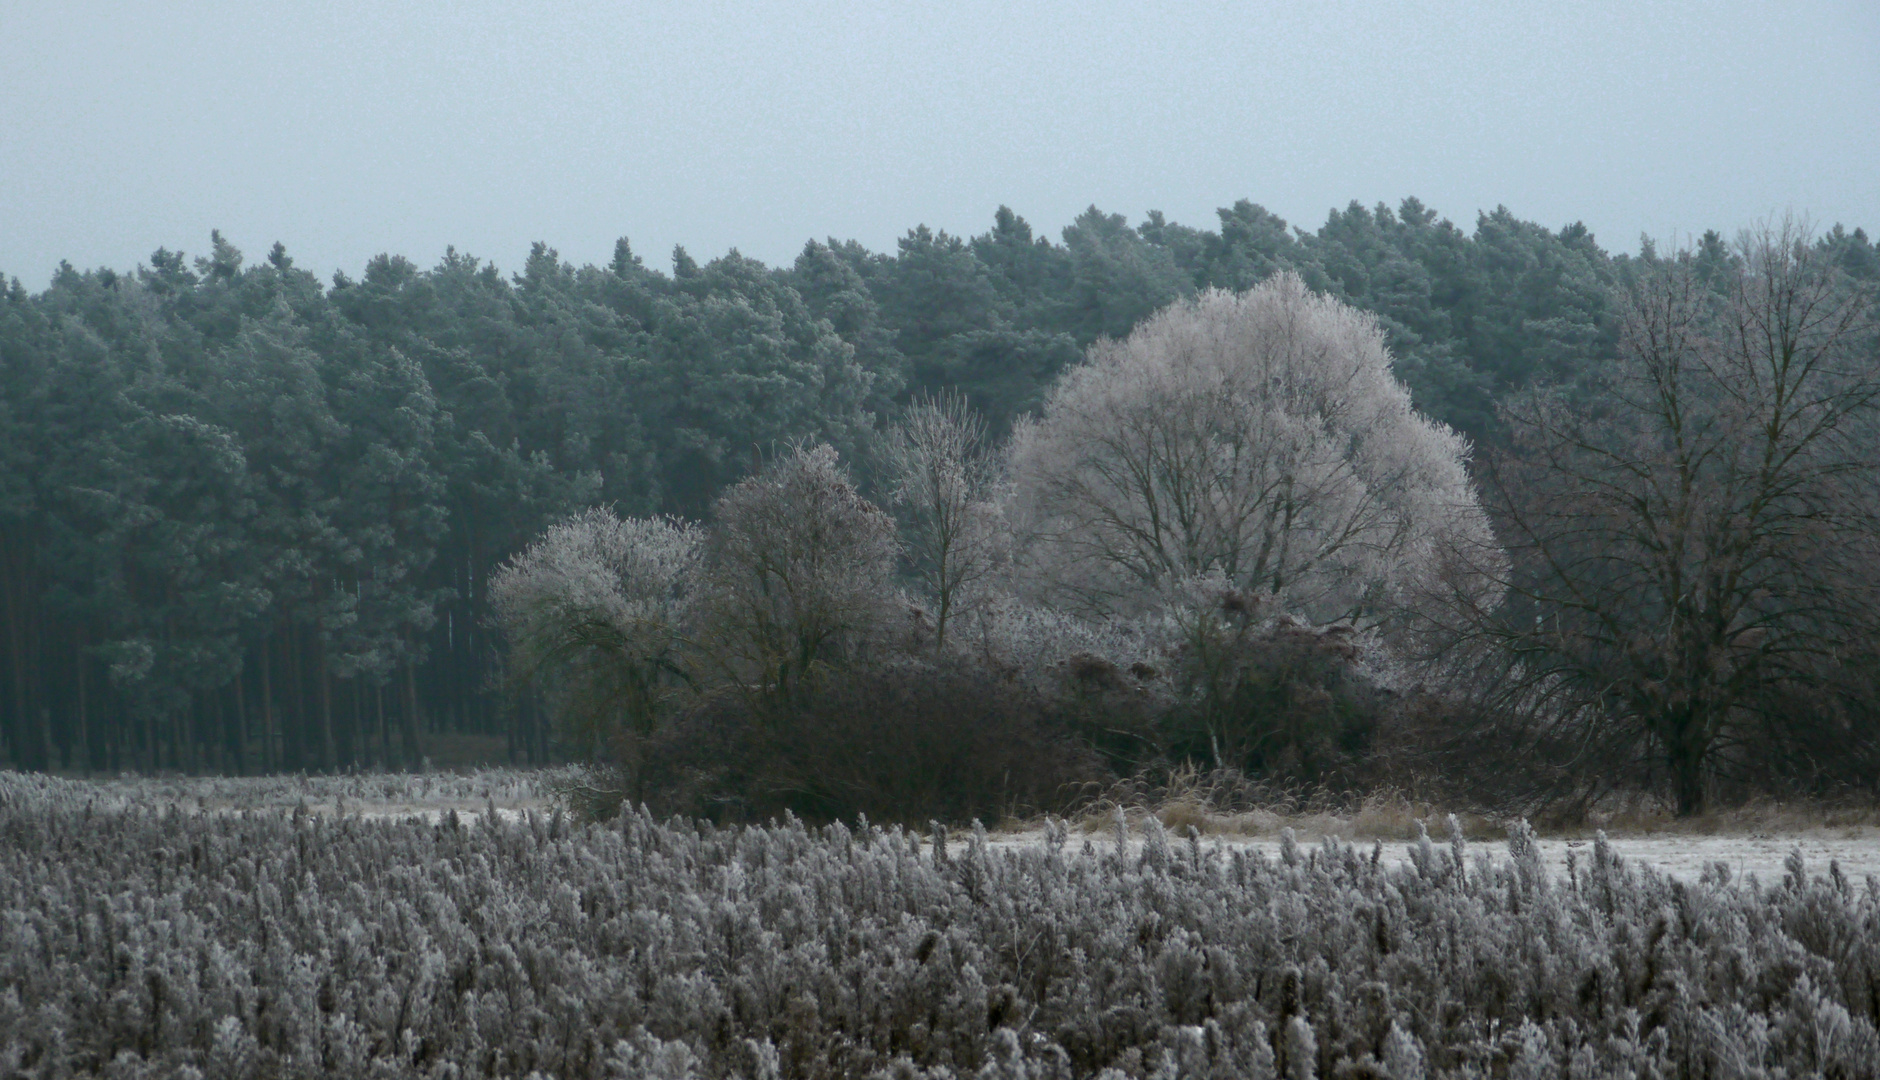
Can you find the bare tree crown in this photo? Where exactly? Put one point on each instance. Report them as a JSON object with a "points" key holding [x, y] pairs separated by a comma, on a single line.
{"points": [[942, 475], [802, 570], [1694, 539]]}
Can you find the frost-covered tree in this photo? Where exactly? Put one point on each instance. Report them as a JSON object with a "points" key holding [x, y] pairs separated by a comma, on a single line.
{"points": [[942, 483], [1260, 437], [597, 606], [800, 572]]}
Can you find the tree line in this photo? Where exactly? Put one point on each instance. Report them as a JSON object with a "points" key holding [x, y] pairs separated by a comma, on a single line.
{"points": [[249, 519], [1228, 540]]}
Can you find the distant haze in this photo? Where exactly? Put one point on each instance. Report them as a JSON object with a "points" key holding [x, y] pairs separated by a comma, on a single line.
{"points": [[346, 129]]}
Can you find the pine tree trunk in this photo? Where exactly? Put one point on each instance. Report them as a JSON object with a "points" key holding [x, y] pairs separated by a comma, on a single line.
{"points": [[220, 745], [81, 736], [409, 722], [114, 741], [16, 730], [43, 736], [270, 758], [242, 765], [329, 757], [297, 700], [385, 731]]}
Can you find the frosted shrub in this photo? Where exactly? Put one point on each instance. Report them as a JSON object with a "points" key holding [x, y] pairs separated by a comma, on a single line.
{"points": [[908, 742], [137, 942], [1257, 691], [1038, 645], [596, 608]]}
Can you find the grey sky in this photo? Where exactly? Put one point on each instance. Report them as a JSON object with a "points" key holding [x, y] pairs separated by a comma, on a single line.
{"points": [[346, 129]]}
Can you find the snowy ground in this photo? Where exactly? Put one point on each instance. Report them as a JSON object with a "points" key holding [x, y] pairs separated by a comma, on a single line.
{"points": [[513, 793], [432, 796], [1685, 856]]}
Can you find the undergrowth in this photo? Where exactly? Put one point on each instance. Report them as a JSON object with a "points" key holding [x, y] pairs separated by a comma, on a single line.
{"points": [[1228, 802]]}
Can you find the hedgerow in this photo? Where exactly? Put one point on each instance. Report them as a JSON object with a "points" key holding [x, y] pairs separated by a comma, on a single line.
{"points": [[147, 941]]}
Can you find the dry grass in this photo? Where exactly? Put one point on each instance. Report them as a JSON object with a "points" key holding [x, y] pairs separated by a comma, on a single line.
{"points": [[1225, 802], [1645, 815], [1228, 803], [1387, 816]]}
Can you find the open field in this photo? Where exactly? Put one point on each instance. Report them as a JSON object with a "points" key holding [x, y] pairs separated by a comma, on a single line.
{"points": [[378, 795], [1682, 856], [1755, 842], [385, 927]]}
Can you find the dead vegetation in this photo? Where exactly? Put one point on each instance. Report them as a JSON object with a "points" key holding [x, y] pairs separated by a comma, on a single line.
{"points": [[1227, 802]]}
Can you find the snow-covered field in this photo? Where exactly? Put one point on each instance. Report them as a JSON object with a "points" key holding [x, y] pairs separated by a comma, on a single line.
{"points": [[1857, 852], [517, 792], [378, 795]]}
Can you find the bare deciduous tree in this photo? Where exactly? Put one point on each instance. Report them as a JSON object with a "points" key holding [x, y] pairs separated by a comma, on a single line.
{"points": [[942, 481], [801, 571], [1259, 437], [1693, 544]]}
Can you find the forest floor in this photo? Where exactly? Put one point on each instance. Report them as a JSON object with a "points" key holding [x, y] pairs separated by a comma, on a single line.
{"points": [[1755, 840]]}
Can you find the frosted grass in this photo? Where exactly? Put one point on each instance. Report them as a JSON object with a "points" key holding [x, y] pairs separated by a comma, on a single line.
{"points": [[150, 939]]}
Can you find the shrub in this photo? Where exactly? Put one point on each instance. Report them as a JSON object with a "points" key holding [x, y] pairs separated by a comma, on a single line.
{"points": [[594, 612], [1258, 692], [799, 576], [901, 742]]}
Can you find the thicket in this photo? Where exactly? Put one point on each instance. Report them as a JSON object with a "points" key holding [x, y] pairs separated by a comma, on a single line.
{"points": [[139, 941], [904, 742], [1239, 457]]}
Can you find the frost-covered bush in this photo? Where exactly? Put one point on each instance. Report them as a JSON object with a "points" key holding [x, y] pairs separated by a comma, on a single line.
{"points": [[1259, 692], [941, 482], [1217, 678], [1036, 645], [596, 610], [136, 942]]}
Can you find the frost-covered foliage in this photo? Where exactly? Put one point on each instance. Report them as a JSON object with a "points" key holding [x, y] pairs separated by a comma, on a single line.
{"points": [[1258, 436], [621, 618], [942, 483], [627, 571], [1257, 691], [141, 943], [1216, 677], [596, 607], [1036, 644]]}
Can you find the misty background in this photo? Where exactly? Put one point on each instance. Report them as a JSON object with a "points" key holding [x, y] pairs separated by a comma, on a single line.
{"points": [[345, 130]]}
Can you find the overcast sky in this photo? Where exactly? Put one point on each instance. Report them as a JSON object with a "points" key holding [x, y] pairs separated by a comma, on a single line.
{"points": [[347, 129]]}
